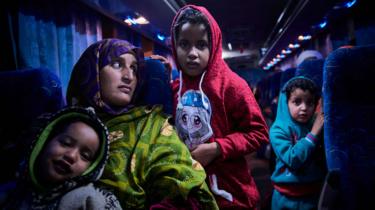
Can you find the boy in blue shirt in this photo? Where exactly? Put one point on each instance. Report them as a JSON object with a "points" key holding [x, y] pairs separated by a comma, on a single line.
{"points": [[295, 138]]}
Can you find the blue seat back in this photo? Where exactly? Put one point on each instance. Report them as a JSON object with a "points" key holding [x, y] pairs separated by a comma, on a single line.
{"points": [[26, 94], [312, 69], [274, 85], [157, 89], [349, 126], [286, 76]]}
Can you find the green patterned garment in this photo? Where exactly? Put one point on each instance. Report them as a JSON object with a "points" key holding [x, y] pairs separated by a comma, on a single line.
{"points": [[148, 163]]}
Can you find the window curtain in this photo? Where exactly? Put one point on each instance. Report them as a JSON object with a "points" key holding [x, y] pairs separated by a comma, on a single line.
{"points": [[53, 34]]}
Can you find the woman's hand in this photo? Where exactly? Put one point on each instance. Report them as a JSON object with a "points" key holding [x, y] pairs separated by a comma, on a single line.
{"points": [[206, 153]]}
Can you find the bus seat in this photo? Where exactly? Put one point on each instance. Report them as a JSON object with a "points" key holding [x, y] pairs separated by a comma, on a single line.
{"points": [[312, 69], [157, 89], [287, 74], [26, 94], [349, 126], [330, 194], [274, 86]]}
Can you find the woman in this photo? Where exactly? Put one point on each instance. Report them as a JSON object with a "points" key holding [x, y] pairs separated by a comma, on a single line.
{"points": [[148, 166]]}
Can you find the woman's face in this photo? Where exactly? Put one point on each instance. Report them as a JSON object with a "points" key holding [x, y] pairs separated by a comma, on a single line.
{"points": [[118, 80]]}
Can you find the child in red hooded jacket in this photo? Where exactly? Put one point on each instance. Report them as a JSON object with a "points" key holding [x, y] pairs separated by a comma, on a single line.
{"points": [[216, 114]]}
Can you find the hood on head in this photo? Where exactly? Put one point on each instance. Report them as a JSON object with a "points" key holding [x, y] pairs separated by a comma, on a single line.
{"points": [[47, 126], [215, 36], [283, 117], [84, 84]]}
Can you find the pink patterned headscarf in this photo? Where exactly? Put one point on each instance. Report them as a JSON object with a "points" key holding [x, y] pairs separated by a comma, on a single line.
{"points": [[84, 84]]}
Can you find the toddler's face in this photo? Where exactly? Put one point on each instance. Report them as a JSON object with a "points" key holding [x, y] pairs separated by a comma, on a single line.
{"points": [[193, 50], [68, 154], [118, 80], [301, 105]]}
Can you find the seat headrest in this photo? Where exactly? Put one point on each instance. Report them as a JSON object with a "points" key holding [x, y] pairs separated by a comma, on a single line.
{"points": [[156, 88]]}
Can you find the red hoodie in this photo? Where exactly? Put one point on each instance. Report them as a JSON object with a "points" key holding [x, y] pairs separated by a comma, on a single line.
{"points": [[237, 122]]}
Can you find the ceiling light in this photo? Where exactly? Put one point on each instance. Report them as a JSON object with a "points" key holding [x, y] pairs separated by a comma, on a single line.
{"points": [[350, 4], [229, 46], [141, 20], [286, 51], [161, 37], [130, 21], [323, 24], [345, 5], [134, 21], [307, 37]]}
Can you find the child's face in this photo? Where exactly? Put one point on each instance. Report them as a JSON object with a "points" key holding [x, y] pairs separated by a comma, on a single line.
{"points": [[193, 49], [118, 80], [301, 105], [68, 154]]}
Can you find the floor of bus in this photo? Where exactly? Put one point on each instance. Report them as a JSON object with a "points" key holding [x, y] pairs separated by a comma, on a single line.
{"points": [[260, 170]]}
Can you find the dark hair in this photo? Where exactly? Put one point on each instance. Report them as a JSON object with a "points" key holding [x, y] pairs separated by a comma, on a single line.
{"points": [[62, 125], [304, 84], [193, 16]]}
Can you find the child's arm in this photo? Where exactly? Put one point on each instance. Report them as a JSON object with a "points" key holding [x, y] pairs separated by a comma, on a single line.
{"points": [[294, 153], [248, 128], [206, 153]]}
